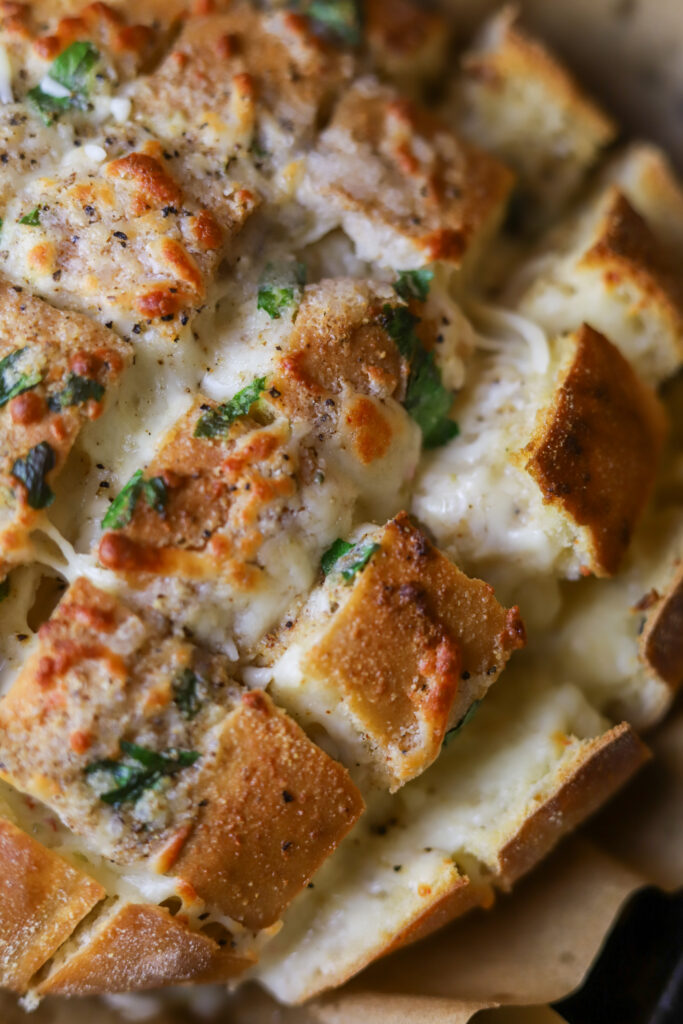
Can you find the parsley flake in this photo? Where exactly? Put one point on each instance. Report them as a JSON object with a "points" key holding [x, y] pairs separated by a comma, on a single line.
{"points": [[130, 781], [185, 694], [216, 422], [32, 218], [414, 284], [427, 400], [467, 717], [120, 512], [340, 19], [32, 470], [72, 70], [76, 391], [347, 559], [12, 381], [280, 288], [333, 554]]}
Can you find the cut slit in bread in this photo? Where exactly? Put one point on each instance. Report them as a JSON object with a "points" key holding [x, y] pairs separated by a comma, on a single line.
{"points": [[392, 652], [558, 465], [105, 696], [604, 266], [517, 101], [531, 765]]}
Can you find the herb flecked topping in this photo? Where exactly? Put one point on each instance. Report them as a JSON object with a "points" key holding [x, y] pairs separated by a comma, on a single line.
{"points": [[341, 19], [32, 470], [347, 559], [120, 512], [427, 400], [12, 381], [216, 422], [131, 781], [32, 218], [72, 71], [76, 391], [414, 284], [280, 288], [185, 694]]}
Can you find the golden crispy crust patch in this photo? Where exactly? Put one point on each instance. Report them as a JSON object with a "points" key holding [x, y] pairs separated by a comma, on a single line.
{"points": [[140, 947], [277, 806], [42, 900], [406, 40], [661, 643], [415, 643], [596, 448]]}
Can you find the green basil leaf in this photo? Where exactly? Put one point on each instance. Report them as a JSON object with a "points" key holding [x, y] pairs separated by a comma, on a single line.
{"points": [[414, 284], [120, 512], [281, 287], [185, 694], [76, 391], [32, 218], [356, 561], [216, 422], [72, 69], [340, 18], [32, 470], [12, 381], [156, 493], [427, 401], [467, 717], [333, 554], [131, 781]]}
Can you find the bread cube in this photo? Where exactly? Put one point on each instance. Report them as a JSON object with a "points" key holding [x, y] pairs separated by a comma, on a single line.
{"points": [[605, 267], [517, 101], [407, 41], [404, 188], [392, 651]]}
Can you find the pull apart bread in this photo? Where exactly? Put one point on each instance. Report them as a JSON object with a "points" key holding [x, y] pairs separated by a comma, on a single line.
{"points": [[284, 489]]}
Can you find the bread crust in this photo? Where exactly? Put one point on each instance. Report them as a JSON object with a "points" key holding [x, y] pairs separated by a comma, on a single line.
{"points": [[596, 448], [276, 807], [661, 642], [595, 773], [140, 947], [42, 900]]}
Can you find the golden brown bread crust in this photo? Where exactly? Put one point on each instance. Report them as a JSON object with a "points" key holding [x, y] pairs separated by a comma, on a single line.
{"points": [[140, 947], [597, 771], [627, 250], [596, 448], [448, 904], [276, 808], [431, 194], [661, 642], [42, 900], [56, 347], [405, 40], [415, 643]]}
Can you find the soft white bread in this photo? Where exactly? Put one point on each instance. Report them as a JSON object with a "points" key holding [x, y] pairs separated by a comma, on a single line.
{"points": [[534, 761], [42, 900], [56, 371], [154, 757], [391, 652], [404, 188], [516, 100], [604, 266], [553, 464]]}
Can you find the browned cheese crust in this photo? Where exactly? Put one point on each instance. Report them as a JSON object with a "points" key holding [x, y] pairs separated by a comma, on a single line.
{"points": [[140, 947], [626, 250], [277, 807], [661, 642], [412, 647], [405, 40], [413, 180], [596, 448], [42, 899], [599, 768], [50, 348]]}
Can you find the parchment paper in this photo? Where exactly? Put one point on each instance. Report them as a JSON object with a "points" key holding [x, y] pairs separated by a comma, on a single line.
{"points": [[538, 943]]}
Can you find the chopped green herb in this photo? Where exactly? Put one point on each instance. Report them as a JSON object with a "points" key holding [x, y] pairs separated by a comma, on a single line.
{"points": [[216, 422], [76, 391], [340, 18], [467, 717], [185, 693], [1, 223], [281, 287], [359, 560], [32, 218], [333, 554], [130, 781], [72, 70], [12, 381], [4, 588], [32, 471], [414, 284], [121, 510], [427, 400]]}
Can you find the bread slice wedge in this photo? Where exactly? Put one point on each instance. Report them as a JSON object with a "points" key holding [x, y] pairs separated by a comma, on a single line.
{"points": [[516, 100], [535, 761], [392, 651], [553, 465]]}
